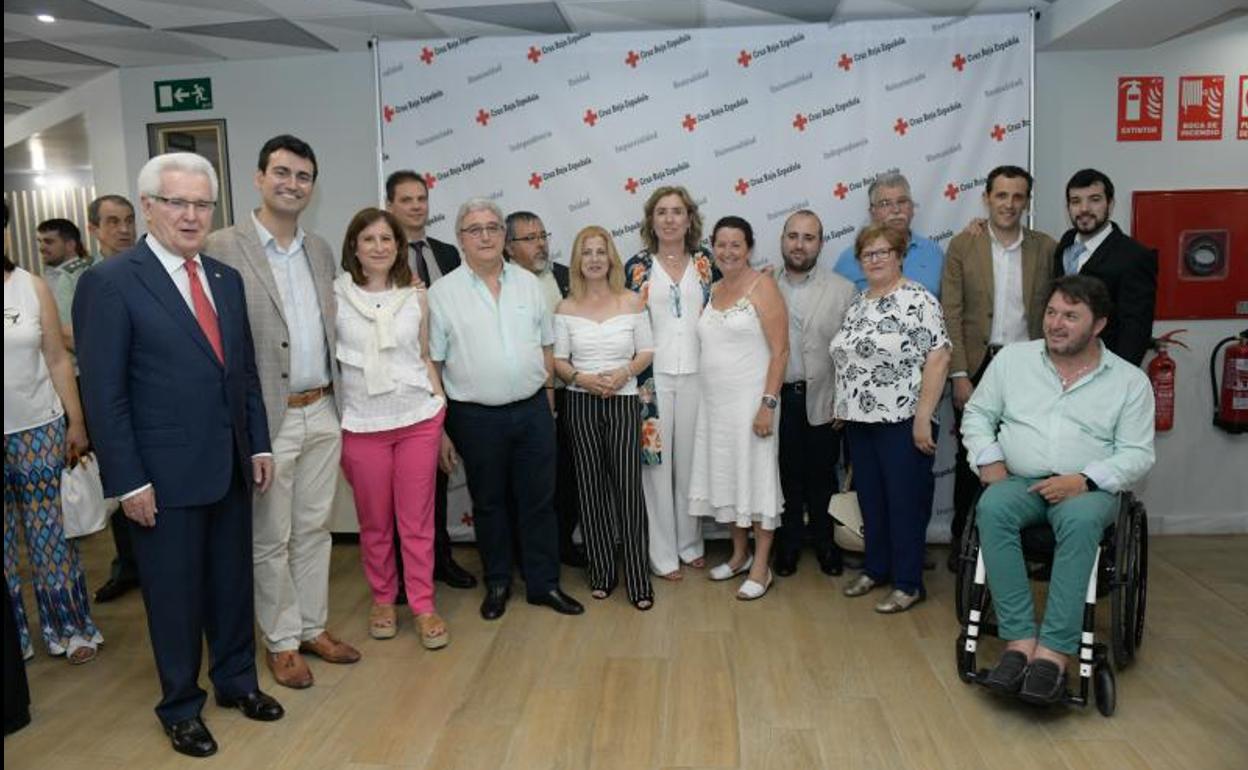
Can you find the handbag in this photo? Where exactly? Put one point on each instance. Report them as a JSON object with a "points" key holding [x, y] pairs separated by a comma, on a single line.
{"points": [[82, 498], [847, 530]]}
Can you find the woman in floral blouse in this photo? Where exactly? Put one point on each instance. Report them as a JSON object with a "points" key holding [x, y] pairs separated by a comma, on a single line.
{"points": [[673, 274], [891, 357]]}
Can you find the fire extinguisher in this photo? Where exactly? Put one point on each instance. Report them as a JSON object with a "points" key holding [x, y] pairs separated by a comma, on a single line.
{"points": [[1161, 371], [1230, 410]]}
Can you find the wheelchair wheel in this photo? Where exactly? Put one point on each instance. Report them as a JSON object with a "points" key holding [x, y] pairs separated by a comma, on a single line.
{"points": [[1106, 688], [968, 554], [1126, 598]]}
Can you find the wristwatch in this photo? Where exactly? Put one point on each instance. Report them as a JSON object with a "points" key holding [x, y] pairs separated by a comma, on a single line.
{"points": [[770, 401], [1089, 483]]}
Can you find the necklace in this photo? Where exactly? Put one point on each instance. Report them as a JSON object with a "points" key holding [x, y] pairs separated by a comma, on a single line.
{"points": [[1068, 380], [672, 257]]}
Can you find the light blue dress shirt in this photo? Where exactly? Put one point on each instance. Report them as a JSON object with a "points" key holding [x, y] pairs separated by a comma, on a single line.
{"points": [[491, 350], [923, 263], [1102, 426], [309, 353]]}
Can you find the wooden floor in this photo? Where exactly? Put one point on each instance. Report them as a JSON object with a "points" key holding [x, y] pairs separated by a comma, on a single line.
{"points": [[801, 679]]}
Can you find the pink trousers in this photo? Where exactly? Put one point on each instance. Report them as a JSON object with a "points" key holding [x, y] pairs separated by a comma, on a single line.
{"points": [[392, 475]]}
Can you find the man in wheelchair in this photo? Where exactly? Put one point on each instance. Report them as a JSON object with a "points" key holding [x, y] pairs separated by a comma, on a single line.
{"points": [[1056, 428]]}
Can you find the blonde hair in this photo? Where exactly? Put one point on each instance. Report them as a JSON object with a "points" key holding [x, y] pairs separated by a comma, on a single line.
{"points": [[615, 268]]}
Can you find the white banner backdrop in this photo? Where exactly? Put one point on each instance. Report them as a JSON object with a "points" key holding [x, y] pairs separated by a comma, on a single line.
{"points": [[755, 121]]}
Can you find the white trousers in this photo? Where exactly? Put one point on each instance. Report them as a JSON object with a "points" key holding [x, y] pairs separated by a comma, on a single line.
{"points": [[290, 537], [675, 536]]}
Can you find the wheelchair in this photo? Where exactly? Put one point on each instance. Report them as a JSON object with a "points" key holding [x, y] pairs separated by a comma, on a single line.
{"points": [[1120, 570]]}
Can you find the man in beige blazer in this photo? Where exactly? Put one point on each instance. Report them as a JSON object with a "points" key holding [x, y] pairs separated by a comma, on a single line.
{"points": [[288, 278], [994, 286], [809, 444]]}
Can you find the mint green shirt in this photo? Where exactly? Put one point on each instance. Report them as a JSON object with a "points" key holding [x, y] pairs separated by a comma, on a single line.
{"points": [[63, 280], [491, 350], [1102, 426]]}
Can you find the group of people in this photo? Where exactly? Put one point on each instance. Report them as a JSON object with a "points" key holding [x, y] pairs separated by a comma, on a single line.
{"points": [[224, 377]]}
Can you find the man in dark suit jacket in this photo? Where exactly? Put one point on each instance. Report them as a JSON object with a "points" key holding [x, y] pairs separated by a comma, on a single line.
{"points": [[407, 197], [1095, 246], [174, 407], [527, 244]]}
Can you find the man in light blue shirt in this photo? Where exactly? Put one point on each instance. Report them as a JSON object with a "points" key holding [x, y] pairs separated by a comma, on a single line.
{"points": [[1056, 428], [891, 204], [491, 335]]}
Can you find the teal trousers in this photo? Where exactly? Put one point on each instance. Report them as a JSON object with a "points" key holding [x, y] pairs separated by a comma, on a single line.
{"points": [[1078, 523]]}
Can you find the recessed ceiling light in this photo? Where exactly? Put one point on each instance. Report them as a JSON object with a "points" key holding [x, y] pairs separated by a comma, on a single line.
{"points": [[46, 18]]}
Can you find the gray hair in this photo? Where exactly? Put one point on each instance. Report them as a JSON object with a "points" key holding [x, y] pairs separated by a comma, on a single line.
{"points": [[518, 217], [890, 179], [477, 204], [152, 171]]}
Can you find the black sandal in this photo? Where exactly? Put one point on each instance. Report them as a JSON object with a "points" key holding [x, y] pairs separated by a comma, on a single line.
{"points": [[601, 593]]}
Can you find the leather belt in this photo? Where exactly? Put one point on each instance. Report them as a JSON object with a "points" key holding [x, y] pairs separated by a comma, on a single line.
{"points": [[307, 397]]}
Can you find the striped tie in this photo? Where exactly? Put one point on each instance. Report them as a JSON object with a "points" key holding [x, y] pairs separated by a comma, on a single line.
{"points": [[1070, 260]]}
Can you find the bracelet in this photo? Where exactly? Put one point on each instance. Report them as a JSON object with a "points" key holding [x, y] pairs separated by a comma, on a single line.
{"points": [[575, 374]]}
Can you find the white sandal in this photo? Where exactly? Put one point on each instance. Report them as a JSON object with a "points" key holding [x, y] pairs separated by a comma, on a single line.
{"points": [[725, 571], [751, 590]]}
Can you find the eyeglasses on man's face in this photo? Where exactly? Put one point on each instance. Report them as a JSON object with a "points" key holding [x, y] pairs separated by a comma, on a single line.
{"points": [[478, 231], [892, 204], [532, 238], [180, 205]]}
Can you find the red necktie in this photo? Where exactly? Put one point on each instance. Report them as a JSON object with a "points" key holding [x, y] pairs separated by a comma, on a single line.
{"points": [[204, 313]]}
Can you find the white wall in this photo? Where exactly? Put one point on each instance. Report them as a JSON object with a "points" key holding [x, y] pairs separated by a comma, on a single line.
{"points": [[1198, 484]]}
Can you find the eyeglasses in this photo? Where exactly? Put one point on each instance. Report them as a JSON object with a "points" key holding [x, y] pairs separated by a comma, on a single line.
{"points": [[673, 299], [282, 174], [181, 204], [476, 231], [878, 255], [889, 204], [542, 236]]}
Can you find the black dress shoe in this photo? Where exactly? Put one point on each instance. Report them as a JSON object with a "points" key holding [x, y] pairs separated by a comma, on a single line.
{"points": [[558, 601], [1044, 683], [191, 737], [114, 588], [574, 556], [454, 575], [255, 705], [495, 602], [830, 563], [1008, 674], [785, 566]]}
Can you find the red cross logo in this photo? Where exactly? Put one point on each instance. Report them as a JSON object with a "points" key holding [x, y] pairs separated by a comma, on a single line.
{"points": [[466, 519], [483, 117], [632, 59], [631, 186], [690, 122], [800, 122], [535, 180], [959, 62], [388, 113], [426, 55], [840, 191], [590, 118], [900, 126], [534, 54], [741, 186], [744, 58], [845, 62], [430, 181], [997, 132], [951, 191]]}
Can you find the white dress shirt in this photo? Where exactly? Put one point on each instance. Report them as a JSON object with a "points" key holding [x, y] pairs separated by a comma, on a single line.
{"points": [[1009, 311], [309, 353]]}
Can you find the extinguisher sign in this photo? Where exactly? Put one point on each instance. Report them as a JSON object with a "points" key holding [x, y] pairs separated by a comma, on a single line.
{"points": [[1243, 107], [1200, 107], [1140, 100]]}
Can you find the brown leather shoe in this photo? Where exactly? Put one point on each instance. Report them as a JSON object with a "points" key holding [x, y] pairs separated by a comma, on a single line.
{"points": [[289, 669], [329, 649]]}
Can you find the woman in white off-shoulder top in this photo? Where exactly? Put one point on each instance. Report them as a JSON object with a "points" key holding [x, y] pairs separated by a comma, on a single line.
{"points": [[602, 340]]}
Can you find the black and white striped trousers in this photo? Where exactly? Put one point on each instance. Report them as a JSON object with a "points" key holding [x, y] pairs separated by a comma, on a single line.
{"points": [[606, 446]]}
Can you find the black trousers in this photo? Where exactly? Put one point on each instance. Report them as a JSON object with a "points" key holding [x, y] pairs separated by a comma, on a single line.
{"points": [[512, 445], [567, 498], [965, 481], [808, 456], [606, 446], [124, 567], [196, 572]]}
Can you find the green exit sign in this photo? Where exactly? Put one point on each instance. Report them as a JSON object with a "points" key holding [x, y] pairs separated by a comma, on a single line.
{"points": [[183, 95]]}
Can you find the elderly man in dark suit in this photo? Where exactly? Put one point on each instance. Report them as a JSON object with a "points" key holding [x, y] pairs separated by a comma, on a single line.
{"points": [[174, 407], [288, 275], [527, 244], [407, 197], [1097, 247]]}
